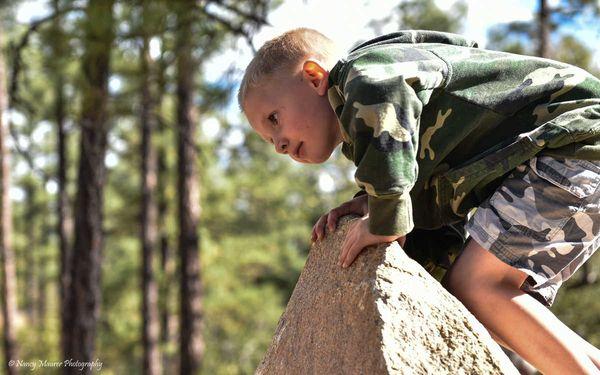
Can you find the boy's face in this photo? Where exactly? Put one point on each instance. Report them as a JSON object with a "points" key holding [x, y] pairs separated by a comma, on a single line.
{"points": [[293, 113]]}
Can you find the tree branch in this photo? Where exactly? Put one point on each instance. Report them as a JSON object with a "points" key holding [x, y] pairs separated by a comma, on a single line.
{"points": [[14, 82], [17, 49], [258, 20], [28, 159], [238, 30]]}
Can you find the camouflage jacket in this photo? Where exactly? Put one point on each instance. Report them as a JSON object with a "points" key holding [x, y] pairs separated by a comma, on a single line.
{"points": [[434, 124]]}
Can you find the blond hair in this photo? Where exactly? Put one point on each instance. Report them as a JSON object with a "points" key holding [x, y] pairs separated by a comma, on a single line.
{"points": [[283, 53]]}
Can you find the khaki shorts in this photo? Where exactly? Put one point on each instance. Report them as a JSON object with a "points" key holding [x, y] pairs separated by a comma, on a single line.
{"points": [[543, 220]]}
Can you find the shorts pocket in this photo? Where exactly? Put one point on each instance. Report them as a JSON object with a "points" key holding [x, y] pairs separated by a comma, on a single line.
{"points": [[579, 177], [537, 199]]}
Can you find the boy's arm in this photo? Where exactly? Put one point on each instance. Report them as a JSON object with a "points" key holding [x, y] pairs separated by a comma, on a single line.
{"points": [[383, 116]]}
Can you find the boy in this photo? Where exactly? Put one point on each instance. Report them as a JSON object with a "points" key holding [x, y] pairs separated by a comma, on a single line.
{"points": [[437, 127]]}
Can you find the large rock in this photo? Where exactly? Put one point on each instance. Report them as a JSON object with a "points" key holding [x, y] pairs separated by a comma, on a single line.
{"points": [[383, 315]]}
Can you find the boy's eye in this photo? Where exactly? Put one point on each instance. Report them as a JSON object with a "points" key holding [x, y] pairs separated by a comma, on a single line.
{"points": [[273, 118]]}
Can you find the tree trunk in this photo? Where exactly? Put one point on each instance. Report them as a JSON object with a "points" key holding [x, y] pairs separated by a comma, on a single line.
{"points": [[31, 263], [7, 291], [63, 225], [191, 342], [42, 277], [150, 324], [83, 299], [587, 276], [543, 29], [168, 320]]}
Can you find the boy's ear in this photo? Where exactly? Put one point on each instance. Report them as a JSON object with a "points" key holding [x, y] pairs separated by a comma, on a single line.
{"points": [[314, 73]]}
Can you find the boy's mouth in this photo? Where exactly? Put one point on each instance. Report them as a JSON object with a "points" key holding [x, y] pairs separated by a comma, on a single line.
{"points": [[297, 152]]}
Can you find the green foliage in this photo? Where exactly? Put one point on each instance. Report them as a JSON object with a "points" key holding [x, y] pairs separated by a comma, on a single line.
{"points": [[248, 281], [426, 15], [250, 265], [522, 37], [577, 305], [572, 51]]}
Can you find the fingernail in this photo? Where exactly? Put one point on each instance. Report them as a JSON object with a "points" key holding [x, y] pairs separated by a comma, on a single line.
{"points": [[344, 265]]}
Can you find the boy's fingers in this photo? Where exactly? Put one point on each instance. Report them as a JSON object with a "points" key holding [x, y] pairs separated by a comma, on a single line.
{"points": [[351, 255], [323, 224], [314, 232], [346, 245], [318, 228], [331, 220], [342, 255], [342, 250]]}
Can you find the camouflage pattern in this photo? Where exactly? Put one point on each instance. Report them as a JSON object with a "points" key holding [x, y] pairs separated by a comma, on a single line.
{"points": [[543, 220], [435, 124]]}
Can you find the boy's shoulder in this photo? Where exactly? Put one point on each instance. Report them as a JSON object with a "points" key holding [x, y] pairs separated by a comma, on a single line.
{"points": [[426, 50], [423, 57], [407, 46], [495, 80], [417, 37]]}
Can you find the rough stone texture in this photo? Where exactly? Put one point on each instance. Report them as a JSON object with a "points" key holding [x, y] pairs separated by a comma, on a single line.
{"points": [[383, 315]]}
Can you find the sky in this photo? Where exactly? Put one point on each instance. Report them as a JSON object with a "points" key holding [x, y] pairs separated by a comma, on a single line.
{"points": [[345, 21], [351, 16]]}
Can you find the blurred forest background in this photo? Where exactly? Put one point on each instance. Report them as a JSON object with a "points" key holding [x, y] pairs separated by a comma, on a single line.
{"points": [[143, 224]]}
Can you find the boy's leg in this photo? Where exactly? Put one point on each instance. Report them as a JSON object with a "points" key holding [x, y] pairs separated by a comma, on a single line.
{"points": [[531, 235], [489, 288]]}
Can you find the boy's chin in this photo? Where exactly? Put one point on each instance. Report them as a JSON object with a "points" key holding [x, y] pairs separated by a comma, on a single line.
{"points": [[318, 159], [313, 161], [321, 159], [308, 161]]}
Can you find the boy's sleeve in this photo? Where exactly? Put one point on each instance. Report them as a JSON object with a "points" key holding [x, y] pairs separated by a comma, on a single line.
{"points": [[382, 114], [359, 193]]}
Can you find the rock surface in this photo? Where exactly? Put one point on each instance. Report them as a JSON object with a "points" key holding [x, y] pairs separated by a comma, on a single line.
{"points": [[382, 315]]}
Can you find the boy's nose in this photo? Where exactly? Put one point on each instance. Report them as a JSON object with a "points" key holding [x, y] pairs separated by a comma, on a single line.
{"points": [[282, 146]]}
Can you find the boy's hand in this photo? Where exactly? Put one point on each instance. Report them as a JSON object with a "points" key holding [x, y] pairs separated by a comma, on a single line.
{"points": [[358, 205], [359, 237]]}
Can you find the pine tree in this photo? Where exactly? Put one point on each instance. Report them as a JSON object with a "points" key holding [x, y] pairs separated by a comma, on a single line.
{"points": [[149, 235], [84, 296], [191, 340], [7, 285]]}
